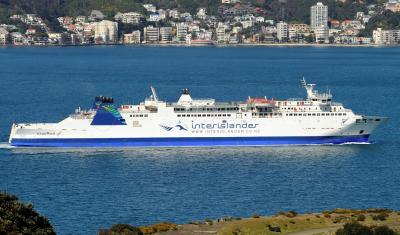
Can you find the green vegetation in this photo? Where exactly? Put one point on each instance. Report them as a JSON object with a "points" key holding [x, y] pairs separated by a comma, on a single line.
{"points": [[19, 218], [387, 20], [381, 216], [292, 11], [126, 229], [361, 217], [355, 228]]}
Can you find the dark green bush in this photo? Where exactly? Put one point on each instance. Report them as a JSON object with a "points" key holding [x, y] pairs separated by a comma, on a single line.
{"points": [[381, 216], [125, 229], [291, 214], [383, 230], [19, 218], [355, 228], [361, 217]]}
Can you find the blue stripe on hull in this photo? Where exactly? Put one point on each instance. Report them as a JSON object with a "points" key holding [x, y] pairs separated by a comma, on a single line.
{"points": [[182, 142]]}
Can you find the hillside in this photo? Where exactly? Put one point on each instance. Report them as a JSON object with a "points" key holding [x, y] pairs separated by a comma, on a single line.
{"points": [[339, 221], [297, 11]]}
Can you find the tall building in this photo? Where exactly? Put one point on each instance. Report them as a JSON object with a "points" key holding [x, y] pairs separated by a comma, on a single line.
{"points": [[322, 34], [151, 34], [106, 31], [132, 38], [3, 36], [386, 36], [221, 35], [282, 31], [166, 34], [319, 15], [181, 32]]}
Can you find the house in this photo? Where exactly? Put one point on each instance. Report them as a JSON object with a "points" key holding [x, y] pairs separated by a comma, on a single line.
{"points": [[3, 36]]}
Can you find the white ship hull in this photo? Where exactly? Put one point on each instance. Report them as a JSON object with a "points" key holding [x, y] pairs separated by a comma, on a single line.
{"points": [[203, 123], [200, 132]]}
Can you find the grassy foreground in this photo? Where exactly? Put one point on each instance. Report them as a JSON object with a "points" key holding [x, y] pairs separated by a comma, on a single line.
{"points": [[327, 222]]}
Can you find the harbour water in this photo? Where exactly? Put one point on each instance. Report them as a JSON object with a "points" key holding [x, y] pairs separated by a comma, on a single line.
{"points": [[81, 191]]}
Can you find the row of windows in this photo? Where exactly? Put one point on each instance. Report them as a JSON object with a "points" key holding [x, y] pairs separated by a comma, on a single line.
{"points": [[206, 109], [267, 114], [204, 115], [139, 115], [316, 114], [297, 108]]}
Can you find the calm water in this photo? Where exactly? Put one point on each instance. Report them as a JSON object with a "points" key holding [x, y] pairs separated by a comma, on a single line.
{"points": [[82, 191]]}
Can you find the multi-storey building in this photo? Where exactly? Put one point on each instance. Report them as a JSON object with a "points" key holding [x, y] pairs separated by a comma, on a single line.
{"points": [[129, 17], [181, 32], [166, 34], [221, 35], [282, 31], [319, 15], [106, 31], [322, 34], [151, 34], [386, 36], [3, 36], [132, 38]]}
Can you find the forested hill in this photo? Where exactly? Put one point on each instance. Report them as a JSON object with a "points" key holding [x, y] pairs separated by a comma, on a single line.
{"points": [[289, 10]]}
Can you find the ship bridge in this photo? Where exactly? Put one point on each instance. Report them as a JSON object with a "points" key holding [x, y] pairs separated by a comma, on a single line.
{"points": [[314, 95]]}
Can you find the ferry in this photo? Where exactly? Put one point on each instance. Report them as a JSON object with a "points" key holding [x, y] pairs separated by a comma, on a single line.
{"points": [[189, 122]]}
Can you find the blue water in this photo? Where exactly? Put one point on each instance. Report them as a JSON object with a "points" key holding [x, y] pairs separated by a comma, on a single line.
{"points": [[81, 191]]}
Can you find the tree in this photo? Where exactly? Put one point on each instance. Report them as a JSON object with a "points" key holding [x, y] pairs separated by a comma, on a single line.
{"points": [[19, 218], [354, 228]]}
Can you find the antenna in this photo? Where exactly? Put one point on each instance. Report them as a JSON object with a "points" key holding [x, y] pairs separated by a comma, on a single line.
{"points": [[153, 91]]}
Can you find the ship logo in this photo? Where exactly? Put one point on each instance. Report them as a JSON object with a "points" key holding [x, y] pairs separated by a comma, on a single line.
{"points": [[179, 126]]}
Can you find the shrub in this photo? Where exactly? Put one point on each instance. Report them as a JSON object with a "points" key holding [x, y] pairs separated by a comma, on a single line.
{"points": [[125, 229], [340, 219], [164, 226], [19, 218], [274, 228], [208, 221], [292, 221], [291, 214], [354, 228], [317, 216], [381, 216], [255, 216], [361, 217], [378, 210], [383, 230], [281, 213], [327, 215], [147, 230]]}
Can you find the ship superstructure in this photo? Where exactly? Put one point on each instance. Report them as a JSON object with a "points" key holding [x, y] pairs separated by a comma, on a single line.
{"points": [[203, 122]]}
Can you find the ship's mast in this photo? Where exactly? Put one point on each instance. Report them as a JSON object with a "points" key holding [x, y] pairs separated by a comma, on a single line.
{"points": [[153, 91]]}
